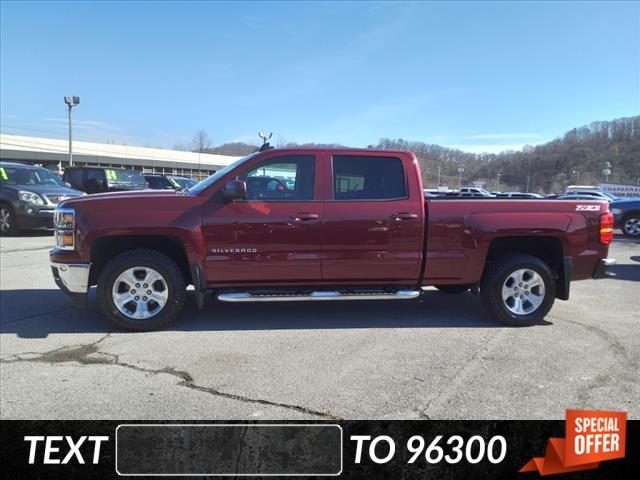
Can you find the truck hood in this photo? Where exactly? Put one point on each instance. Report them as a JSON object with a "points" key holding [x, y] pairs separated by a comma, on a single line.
{"points": [[126, 195]]}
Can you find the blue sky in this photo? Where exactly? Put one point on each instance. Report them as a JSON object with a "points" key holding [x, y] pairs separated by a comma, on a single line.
{"points": [[477, 76]]}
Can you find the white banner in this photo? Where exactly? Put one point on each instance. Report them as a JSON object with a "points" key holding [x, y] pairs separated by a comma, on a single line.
{"points": [[620, 190]]}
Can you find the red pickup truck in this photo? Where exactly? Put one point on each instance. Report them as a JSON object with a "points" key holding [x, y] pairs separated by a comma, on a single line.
{"points": [[322, 224]]}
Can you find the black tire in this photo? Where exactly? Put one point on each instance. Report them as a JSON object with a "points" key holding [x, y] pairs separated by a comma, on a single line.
{"points": [[6, 212], [627, 230], [453, 289], [165, 266], [499, 272]]}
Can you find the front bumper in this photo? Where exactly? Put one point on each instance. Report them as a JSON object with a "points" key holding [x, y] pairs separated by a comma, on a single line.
{"points": [[601, 270], [39, 218], [72, 278]]}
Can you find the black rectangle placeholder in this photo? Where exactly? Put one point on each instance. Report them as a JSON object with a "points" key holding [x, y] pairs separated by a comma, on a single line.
{"points": [[223, 449]]}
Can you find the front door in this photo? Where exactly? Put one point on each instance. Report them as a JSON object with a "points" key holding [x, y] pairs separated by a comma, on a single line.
{"points": [[273, 236], [373, 223]]}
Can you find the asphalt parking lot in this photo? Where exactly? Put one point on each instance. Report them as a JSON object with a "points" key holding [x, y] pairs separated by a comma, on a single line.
{"points": [[441, 357]]}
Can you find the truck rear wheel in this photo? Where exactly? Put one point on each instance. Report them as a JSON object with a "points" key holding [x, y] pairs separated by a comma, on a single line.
{"points": [[141, 290], [518, 289]]}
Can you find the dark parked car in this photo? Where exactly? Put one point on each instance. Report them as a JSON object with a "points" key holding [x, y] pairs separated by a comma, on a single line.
{"points": [[28, 196], [159, 181], [626, 214], [104, 179]]}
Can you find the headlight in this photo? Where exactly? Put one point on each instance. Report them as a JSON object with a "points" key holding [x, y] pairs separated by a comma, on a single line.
{"points": [[616, 211], [64, 220], [31, 197]]}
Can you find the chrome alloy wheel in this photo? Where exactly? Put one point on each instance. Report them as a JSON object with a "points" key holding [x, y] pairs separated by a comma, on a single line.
{"points": [[5, 219], [523, 291], [140, 293], [632, 226]]}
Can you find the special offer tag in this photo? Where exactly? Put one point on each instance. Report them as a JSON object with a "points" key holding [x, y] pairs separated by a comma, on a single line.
{"points": [[592, 436]]}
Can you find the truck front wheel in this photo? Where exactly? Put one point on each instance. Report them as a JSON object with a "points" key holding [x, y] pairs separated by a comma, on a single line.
{"points": [[518, 289], [141, 290]]}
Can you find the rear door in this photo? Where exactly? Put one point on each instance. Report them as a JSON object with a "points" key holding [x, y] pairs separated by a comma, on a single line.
{"points": [[273, 237], [373, 219]]}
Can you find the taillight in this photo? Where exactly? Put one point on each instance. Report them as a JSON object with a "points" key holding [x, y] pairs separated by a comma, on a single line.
{"points": [[606, 228]]}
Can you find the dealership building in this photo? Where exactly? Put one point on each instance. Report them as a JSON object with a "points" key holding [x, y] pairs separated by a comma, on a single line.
{"points": [[54, 153]]}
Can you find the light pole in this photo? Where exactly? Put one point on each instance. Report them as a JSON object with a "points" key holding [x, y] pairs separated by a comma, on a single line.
{"points": [[606, 171], [577, 174], [460, 170], [71, 102], [498, 175]]}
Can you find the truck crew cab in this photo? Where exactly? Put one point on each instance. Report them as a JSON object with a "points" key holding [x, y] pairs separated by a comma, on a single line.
{"points": [[340, 224]]}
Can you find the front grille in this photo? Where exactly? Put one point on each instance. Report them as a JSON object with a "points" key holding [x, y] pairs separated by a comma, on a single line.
{"points": [[56, 199]]}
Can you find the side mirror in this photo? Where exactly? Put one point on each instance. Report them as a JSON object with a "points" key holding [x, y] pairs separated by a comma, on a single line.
{"points": [[234, 190]]}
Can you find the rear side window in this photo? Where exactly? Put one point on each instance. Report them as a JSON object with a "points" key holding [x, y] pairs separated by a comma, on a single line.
{"points": [[368, 178]]}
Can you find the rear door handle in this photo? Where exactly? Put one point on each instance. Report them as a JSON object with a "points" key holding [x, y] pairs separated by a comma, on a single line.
{"points": [[302, 216], [404, 216]]}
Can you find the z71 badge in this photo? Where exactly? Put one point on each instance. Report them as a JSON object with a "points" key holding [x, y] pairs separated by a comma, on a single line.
{"points": [[587, 208]]}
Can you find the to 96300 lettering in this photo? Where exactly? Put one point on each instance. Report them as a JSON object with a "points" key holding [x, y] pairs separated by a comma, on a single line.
{"points": [[454, 449]]}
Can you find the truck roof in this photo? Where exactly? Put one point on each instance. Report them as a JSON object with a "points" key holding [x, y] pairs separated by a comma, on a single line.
{"points": [[338, 149]]}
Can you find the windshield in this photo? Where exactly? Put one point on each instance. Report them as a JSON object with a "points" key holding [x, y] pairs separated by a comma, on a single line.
{"points": [[200, 187], [124, 176], [612, 197], [29, 176], [183, 182]]}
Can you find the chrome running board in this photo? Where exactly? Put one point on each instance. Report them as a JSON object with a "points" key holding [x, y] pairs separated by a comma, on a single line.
{"points": [[316, 296]]}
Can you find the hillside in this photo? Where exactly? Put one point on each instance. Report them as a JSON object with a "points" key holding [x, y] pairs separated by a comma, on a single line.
{"points": [[544, 168]]}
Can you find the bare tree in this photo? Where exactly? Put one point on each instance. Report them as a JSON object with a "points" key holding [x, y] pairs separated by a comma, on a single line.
{"points": [[201, 141]]}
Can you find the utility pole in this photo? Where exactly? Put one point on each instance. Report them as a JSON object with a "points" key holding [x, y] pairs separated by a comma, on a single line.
{"points": [[71, 102], [498, 175], [528, 178], [439, 168], [460, 170], [577, 174]]}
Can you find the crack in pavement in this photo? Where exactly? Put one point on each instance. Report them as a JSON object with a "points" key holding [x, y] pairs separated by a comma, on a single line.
{"points": [[616, 346], [90, 354], [460, 377]]}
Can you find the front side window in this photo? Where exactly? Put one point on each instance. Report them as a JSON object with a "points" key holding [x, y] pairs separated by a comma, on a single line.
{"points": [[368, 178], [74, 177], [95, 175], [289, 177]]}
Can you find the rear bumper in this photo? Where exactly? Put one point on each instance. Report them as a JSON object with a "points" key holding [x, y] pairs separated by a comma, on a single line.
{"points": [[601, 270], [71, 278]]}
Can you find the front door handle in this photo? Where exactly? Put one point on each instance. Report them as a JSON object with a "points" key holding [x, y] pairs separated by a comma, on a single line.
{"points": [[302, 216], [404, 216]]}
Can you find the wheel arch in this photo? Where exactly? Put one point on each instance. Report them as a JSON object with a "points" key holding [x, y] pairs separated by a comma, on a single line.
{"points": [[547, 248], [105, 248]]}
